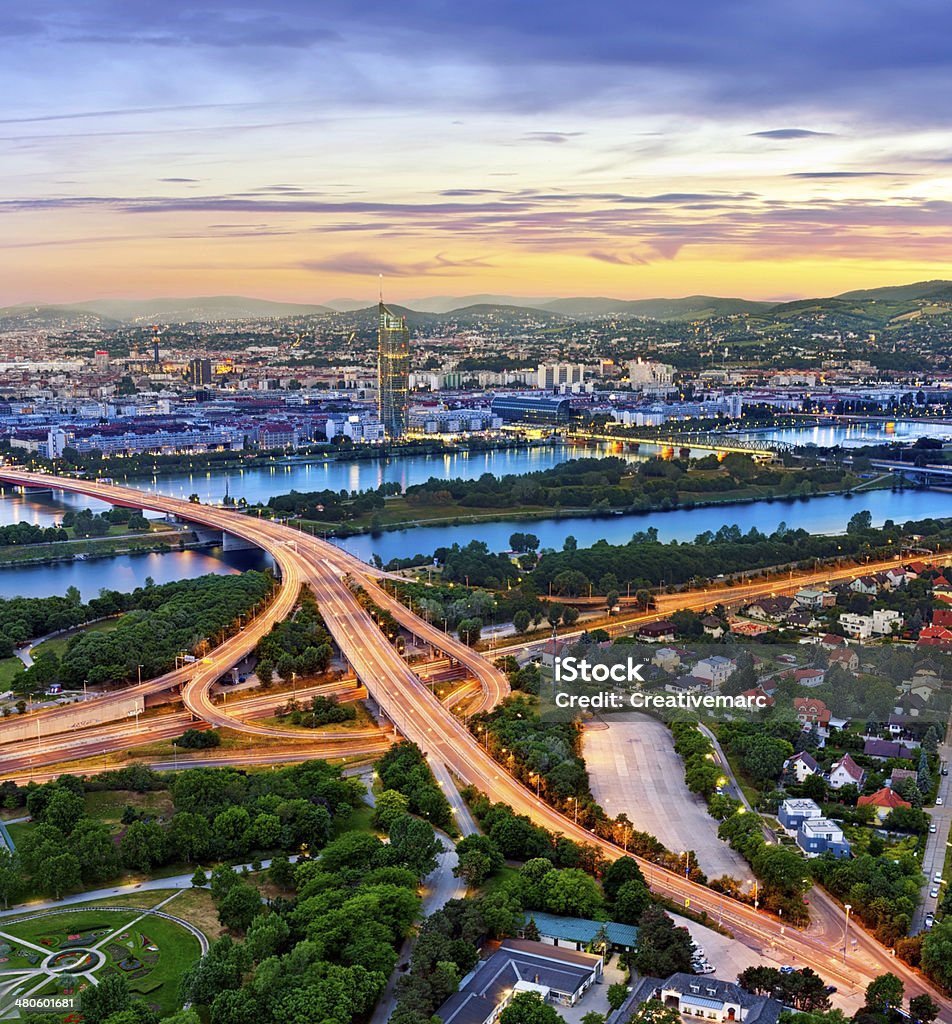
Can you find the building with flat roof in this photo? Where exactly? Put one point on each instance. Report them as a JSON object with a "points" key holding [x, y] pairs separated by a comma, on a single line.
{"points": [[520, 965], [526, 409], [579, 933], [706, 998]]}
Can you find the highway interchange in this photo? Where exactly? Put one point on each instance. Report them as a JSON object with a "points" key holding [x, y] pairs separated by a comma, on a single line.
{"points": [[419, 716]]}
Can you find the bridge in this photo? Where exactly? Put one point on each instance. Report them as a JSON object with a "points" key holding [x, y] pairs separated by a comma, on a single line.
{"points": [[452, 751], [931, 473], [721, 444]]}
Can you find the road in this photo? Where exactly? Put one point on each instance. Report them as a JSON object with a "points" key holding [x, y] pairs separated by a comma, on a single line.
{"points": [[937, 844], [418, 714], [633, 768]]}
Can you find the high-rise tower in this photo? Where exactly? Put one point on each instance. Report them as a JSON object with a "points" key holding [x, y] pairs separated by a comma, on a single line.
{"points": [[393, 372]]}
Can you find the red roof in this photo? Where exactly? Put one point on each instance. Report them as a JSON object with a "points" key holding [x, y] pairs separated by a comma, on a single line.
{"points": [[884, 797], [942, 617], [759, 691]]}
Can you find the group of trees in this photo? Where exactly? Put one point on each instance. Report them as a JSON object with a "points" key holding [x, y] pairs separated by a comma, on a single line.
{"points": [[332, 506], [301, 644], [322, 711], [29, 533], [644, 561], [218, 814], [403, 768], [160, 622], [543, 755]]}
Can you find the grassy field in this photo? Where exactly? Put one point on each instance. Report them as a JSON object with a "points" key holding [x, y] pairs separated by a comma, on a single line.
{"points": [[176, 949], [9, 669], [58, 644], [108, 805]]}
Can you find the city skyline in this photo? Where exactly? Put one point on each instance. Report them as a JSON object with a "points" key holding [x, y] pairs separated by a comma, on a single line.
{"points": [[295, 154]]}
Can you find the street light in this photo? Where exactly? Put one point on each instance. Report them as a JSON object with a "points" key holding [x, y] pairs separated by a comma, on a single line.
{"points": [[847, 907]]}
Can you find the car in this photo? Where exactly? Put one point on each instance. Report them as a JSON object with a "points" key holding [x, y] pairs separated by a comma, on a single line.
{"points": [[934, 894], [787, 969], [937, 878], [706, 969], [945, 770], [932, 828], [830, 989], [938, 801], [930, 920]]}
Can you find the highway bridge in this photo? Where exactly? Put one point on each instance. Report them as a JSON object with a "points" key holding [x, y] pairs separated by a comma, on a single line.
{"points": [[720, 444], [936, 474], [451, 749]]}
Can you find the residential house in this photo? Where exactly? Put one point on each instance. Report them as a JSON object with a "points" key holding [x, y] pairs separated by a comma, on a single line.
{"points": [[759, 693], [846, 772], [900, 775], [801, 766], [886, 621], [942, 617], [716, 668], [884, 800], [689, 684], [769, 607], [887, 750], [704, 998], [794, 811], [713, 626], [859, 627], [832, 642], [821, 835], [813, 597], [864, 585], [519, 965], [667, 659], [846, 657], [800, 618], [808, 677], [935, 636], [662, 632], [812, 711]]}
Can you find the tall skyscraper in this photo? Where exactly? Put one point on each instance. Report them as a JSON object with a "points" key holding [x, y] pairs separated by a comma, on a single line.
{"points": [[393, 372], [200, 372]]}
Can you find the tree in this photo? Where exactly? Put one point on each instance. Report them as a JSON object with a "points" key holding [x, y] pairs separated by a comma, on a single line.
{"points": [[58, 874], [937, 953], [64, 810], [883, 993], [655, 1012], [859, 522], [570, 892], [142, 846], [924, 1008], [390, 805], [630, 903], [616, 995], [100, 1001], [264, 670], [190, 836], [92, 844], [199, 879], [11, 879], [239, 907], [662, 949], [469, 630], [521, 620], [478, 857], [529, 1008], [413, 845], [625, 869]]}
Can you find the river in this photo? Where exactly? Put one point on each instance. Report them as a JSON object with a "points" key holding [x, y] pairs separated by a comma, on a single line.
{"points": [[820, 515]]}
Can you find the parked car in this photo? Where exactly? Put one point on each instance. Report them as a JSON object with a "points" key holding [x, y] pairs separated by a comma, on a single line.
{"points": [[932, 828], [937, 878], [934, 894], [786, 969], [930, 920]]}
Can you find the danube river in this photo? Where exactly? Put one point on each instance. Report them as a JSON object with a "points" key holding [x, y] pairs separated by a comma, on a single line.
{"points": [[819, 515]]}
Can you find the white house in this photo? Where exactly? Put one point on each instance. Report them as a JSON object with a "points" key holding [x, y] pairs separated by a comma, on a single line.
{"points": [[716, 668], [846, 772], [884, 619], [859, 627]]}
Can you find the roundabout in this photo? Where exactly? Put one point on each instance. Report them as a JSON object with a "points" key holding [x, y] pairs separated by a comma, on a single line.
{"points": [[74, 961]]}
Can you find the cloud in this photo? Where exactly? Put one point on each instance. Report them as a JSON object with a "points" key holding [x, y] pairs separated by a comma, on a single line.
{"points": [[627, 259], [849, 174], [363, 265], [555, 137], [788, 133], [180, 180]]}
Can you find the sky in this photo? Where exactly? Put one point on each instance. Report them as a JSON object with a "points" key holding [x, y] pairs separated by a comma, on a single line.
{"points": [[296, 149]]}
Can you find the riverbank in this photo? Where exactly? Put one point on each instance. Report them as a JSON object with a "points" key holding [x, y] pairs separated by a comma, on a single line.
{"points": [[397, 514], [158, 541]]}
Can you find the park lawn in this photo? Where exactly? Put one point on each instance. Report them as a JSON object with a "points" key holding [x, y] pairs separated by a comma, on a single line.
{"points": [[178, 950], [58, 644], [58, 926], [198, 908], [10, 668], [19, 830], [108, 805]]}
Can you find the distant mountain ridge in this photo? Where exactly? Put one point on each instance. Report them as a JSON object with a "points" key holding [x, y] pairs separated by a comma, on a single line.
{"points": [[866, 305]]}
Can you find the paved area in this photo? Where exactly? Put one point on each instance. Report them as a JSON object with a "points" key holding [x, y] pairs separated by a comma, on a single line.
{"points": [[937, 843], [729, 958], [633, 769]]}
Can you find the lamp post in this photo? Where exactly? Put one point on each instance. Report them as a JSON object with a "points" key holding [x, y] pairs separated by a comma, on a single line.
{"points": [[846, 928]]}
